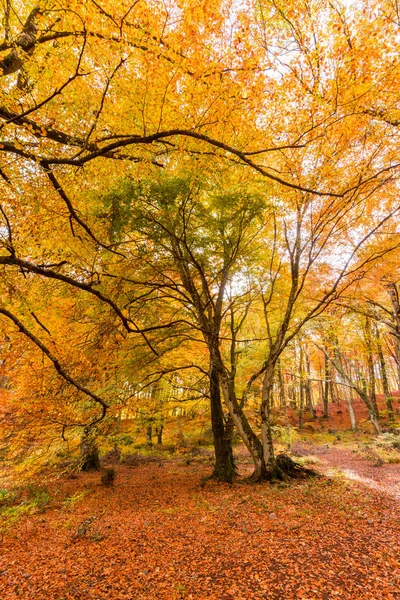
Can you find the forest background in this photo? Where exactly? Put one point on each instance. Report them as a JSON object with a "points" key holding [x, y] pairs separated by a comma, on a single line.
{"points": [[199, 225]]}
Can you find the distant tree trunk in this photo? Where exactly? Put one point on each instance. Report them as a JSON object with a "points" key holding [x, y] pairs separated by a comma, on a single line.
{"points": [[346, 391], [282, 398], [397, 359], [90, 460], [321, 387], [326, 388], [181, 435], [337, 362], [149, 434], [301, 387], [385, 383], [159, 433], [393, 292], [371, 370], [292, 394], [333, 391], [301, 404], [308, 388]]}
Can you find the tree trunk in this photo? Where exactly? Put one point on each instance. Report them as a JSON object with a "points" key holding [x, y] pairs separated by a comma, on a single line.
{"points": [[271, 470], [393, 292], [349, 402], [301, 387], [346, 390], [374, 421], [292, 394], [333, 391], [397, 359], [353, 422], [308, 389], [371, 370], [301, 404], [337, 362], [149, 435], [159, 433], [90, 460], [243, 427], [385, 383], [224, 468], [326, 388], [229, 433], [282, 398]]}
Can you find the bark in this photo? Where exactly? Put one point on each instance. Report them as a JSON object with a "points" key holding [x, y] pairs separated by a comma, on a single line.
{"points": [[337, 362], [385, 383], [149, 435], [282, 397], [301, 387], [271, 470], [24, 45], [326, 388], [243, 427], [159, 433], [308, 389], [393, 292], [333, 392], [224, 468], [347, 396], [371, 370], [90, 460], [229, 429]]}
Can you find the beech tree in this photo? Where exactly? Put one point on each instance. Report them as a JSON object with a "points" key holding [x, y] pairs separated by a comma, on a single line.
{"points": [[200, 242]]}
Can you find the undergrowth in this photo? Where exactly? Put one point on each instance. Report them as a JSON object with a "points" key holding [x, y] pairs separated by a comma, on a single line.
{"points": [[20, 502], [383, 449]]}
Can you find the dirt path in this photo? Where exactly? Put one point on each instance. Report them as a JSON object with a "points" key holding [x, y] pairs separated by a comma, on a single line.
{"points": [[385, 478]]}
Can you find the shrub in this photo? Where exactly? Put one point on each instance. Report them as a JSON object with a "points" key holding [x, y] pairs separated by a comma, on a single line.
{"points": [[7, 497], [108, 477], [308, 460]]}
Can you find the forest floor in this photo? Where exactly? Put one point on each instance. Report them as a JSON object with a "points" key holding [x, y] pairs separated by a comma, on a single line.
{"points": [[162, 533], [382, 478]]}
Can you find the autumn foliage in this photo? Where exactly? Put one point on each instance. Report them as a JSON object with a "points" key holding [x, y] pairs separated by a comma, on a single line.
{"points": [[199, 269]]}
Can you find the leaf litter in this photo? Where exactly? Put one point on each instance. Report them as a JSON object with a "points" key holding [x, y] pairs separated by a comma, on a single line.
{"points": [[158, 534]]}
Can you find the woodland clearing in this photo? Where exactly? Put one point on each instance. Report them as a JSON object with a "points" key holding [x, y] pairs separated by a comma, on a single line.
{"points": [[160, 533]]}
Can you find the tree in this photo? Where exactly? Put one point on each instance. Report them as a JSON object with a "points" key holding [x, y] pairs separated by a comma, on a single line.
{"points": [[202, 238]]}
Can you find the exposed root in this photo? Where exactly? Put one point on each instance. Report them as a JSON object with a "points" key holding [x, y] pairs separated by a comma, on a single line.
{"points": [[253, 478], [293, 470], [267, 475]]}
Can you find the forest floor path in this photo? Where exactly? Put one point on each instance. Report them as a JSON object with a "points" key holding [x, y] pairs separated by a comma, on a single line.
{"points": [[384, 478]]}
